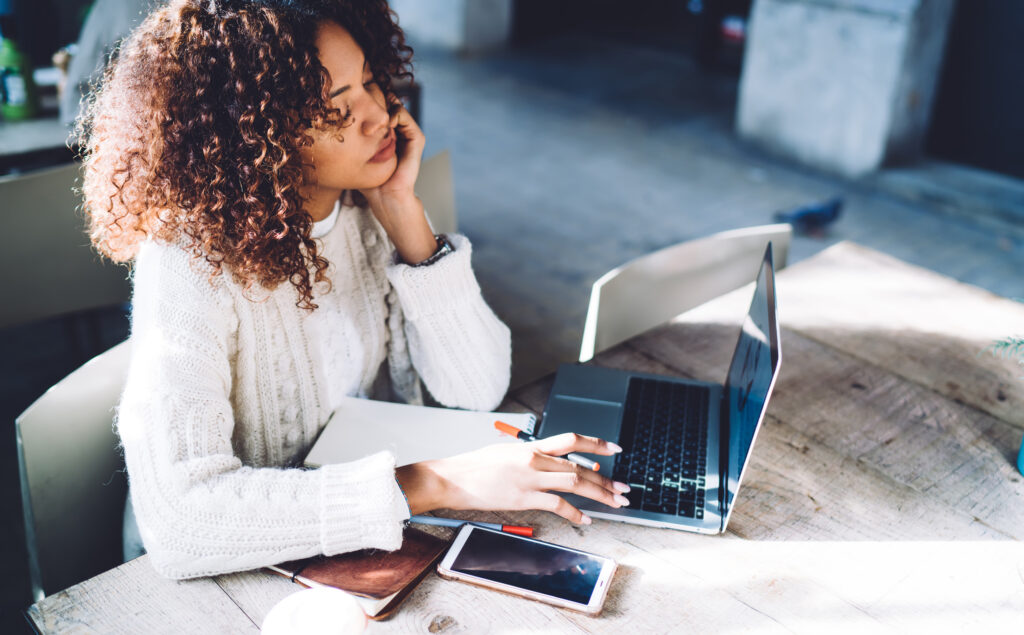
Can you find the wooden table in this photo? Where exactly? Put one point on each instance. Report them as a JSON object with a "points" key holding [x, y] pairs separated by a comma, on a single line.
{"points": [[882, 494]]}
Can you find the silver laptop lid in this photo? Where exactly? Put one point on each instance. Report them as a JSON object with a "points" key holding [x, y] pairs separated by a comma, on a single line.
{"points": [[752, 373]]}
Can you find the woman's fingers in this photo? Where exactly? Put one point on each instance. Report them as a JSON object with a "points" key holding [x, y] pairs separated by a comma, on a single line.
{"points": [[527, 476], [407, 127], [409, 151], [558, 505], [572, 442], [548, 463], [564, 476], [582, 484], [394, 108]]}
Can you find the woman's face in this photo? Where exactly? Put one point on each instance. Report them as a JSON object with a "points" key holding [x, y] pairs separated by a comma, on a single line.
{"points": [[366, 157]]}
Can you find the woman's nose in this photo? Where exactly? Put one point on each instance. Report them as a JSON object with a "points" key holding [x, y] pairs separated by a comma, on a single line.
{"points": [[376, 115]]}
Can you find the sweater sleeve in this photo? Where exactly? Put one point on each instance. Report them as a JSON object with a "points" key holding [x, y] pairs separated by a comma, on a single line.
{"points": [[200, 510], [459, 347]]}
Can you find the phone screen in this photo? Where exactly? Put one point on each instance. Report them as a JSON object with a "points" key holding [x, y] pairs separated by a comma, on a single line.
{"points": [[529, 565]]}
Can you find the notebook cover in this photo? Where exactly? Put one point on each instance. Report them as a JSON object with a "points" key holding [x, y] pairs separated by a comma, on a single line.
{"points": [[360, 427], [373, 573]]}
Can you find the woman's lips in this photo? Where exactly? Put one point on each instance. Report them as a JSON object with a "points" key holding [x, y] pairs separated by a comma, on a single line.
{"points": [[386, 151]]}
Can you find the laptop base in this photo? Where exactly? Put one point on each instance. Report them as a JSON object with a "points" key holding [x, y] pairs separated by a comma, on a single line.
{"points": [[591, 400]]}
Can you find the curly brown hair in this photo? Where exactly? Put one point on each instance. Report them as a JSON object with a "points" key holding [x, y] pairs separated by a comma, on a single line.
{"points": [[194, 134]]}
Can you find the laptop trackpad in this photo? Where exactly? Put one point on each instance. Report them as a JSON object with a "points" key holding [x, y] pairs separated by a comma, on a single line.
{"points": [[590, 417]]}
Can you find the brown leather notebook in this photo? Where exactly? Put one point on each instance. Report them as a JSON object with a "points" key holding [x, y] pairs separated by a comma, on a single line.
{"points": [[380, 580]]}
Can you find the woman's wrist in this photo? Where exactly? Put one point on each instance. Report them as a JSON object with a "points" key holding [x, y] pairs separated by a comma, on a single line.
{"points": [[423, 489], [404, 220]]}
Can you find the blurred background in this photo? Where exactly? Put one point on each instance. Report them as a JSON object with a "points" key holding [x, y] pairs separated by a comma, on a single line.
{"points": [[582, 134]]}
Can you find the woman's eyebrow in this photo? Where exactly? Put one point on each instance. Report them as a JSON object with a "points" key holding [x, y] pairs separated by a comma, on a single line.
{"points": [[335, 93]]}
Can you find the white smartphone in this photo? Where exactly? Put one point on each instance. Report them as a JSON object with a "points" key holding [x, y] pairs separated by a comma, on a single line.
{"points": [[530, 568]]}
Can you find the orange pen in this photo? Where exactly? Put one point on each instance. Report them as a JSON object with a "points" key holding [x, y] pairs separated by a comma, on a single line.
{"points": [[519, 530], [578, 459]]}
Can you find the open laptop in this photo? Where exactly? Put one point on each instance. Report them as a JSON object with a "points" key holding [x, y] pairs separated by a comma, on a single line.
{"points": [[685, 443]]}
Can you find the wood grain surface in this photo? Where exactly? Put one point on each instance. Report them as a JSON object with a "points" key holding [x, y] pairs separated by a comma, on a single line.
{"points": [[881, 496]]}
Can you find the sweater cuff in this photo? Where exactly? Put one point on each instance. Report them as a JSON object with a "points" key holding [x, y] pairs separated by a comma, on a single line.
{"points": [[361, 505], [436, 288]]}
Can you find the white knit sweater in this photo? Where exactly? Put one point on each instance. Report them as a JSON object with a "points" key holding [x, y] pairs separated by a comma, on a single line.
{"points": [[227, 391]]}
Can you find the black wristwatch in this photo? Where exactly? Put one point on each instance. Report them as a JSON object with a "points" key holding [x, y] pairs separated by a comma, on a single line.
{"points": [[444, 247]]}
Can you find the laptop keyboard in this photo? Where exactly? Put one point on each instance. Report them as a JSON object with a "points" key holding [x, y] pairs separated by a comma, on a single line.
{"points": [[664, 447]]}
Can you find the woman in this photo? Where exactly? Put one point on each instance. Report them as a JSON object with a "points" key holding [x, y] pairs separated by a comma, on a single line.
{"points": [[249, 158]]}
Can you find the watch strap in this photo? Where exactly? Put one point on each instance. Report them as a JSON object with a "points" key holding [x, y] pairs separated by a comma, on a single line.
{"points": [[444, 247]]}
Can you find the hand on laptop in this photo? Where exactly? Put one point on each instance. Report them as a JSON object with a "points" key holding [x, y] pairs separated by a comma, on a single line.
{"points": [[513, 477]]}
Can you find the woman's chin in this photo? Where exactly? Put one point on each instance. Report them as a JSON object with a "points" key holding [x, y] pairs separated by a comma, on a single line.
{"points": [[381, 173], [372, 176]]}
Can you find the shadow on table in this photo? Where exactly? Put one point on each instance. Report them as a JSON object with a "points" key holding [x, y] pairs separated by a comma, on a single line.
{"points": [[870, 434]]}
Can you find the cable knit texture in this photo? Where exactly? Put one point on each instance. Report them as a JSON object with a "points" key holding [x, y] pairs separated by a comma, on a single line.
{"points": [[227, 390]]}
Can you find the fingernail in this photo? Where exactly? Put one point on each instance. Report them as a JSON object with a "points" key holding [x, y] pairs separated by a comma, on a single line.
{"points": [[622, 487], [585, 520], [621, 500], [614, 447]]}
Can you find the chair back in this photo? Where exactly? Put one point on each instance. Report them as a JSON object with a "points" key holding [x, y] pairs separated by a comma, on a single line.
{"points": [[47, 266], [652, 289], [72, 483], [434, 186]]}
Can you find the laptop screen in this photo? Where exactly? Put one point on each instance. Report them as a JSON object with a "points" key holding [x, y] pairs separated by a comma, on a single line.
{"points": [[751, 377]]}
